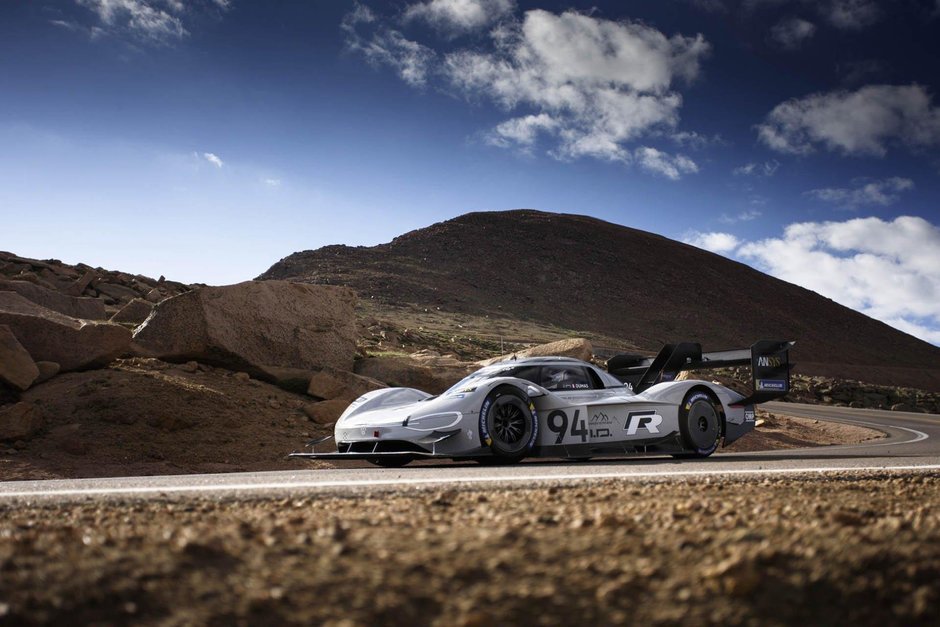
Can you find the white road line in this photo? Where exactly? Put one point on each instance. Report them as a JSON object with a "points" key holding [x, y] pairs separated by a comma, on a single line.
{"points": [[918, 435], [532, 478]]}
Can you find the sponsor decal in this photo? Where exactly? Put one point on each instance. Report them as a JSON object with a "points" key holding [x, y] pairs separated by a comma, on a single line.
{"points": [[748, 415], [769, 362], [484, 432], [771, 384], [596, 431], [648, 420]]}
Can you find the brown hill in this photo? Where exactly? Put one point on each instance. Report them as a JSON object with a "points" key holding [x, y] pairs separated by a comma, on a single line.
{"points": [[582, 273]]}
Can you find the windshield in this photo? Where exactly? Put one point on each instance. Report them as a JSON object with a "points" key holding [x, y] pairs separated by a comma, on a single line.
{"points": [[486, 373]]}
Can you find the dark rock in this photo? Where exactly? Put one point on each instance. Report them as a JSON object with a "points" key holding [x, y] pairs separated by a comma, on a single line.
{"points": [[85, 308], [20, 421], [16, 366], [50, 336], [255, 327], [133, 312]]}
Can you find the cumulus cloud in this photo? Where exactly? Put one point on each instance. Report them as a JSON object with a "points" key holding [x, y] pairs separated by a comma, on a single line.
{"points": [[387, 46], [851, 14], [213, 159], [588, 85], [144, 18], [459, 16], [792, 32], [883, 192], [659, 162], [889, 270], [767, 168], [721, 243], [862, 122]]}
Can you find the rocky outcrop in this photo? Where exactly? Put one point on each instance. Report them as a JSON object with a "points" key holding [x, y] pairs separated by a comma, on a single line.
{"points": [[87, 308], [16, 366], [331, 384], [578, 348], [133, 312], [428, 373], [80, 291], [255, 327], [50, 336], [20, 421]]}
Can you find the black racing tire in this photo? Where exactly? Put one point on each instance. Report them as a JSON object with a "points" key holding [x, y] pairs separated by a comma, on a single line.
{"points": [[508, 425], [700, 424], [391, 461]]}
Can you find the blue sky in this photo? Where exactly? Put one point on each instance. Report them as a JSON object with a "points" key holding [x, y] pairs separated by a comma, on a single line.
{"points": [[205, 140]]}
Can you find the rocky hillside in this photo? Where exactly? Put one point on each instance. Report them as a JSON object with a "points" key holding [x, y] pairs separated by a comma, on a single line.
{"points": [[592, 276]]}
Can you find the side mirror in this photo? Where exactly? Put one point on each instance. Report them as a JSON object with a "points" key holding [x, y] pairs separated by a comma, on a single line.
{"points": [[535, 391]]}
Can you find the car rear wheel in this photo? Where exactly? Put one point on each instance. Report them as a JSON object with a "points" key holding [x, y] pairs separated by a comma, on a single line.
{"points": [[508, 424], [700, 424]]}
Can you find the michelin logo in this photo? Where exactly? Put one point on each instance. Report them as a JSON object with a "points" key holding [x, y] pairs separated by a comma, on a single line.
{"points": [[771, 384]]}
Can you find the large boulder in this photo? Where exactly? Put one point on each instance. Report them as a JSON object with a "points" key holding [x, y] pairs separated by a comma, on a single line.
{"points": [[133, 312], [50, 336], [17, 368], [86, 308], [332, 384], [20, 421], [428, 375], [258, 327], [577, 347]]}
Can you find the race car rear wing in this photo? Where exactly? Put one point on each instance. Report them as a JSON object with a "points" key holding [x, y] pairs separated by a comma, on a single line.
{"points": [[769, 361]]}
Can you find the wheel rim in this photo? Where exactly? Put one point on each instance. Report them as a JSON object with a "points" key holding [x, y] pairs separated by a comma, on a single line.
{"points": [[509, 423], [703, 425]]}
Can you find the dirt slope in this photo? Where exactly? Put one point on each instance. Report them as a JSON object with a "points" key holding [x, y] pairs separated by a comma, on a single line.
{"points": [[582, 273]]}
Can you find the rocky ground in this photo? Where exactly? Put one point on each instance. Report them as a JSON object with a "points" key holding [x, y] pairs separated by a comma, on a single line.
{"points": [[849, 549]]}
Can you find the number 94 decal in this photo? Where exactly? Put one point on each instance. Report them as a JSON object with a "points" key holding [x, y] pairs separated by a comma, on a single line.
{"points": [[559, 424]]}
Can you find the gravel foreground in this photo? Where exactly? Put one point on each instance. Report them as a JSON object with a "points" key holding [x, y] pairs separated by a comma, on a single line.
{"points": [[840, 549]]}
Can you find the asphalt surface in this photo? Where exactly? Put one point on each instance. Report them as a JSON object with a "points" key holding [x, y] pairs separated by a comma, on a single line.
{"points": [[912, 442]]}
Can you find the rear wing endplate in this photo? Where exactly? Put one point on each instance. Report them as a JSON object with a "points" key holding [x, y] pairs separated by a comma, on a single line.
{"points": [[769, 361]]}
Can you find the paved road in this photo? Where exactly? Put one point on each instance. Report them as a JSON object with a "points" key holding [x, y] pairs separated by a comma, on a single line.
{"points": [[912, 443]]}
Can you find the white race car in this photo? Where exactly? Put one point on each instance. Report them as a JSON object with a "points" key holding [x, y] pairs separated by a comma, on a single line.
{"points": [[562, 407]]}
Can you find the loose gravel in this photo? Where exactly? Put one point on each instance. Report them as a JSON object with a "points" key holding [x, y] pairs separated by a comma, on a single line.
{"points": [[842, 549]]}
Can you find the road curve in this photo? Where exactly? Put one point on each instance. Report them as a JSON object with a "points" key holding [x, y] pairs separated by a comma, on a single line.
{"points": [[912, 442]]}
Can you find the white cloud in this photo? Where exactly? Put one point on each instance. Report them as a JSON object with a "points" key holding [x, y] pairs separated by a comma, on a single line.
{"points": [[866, 121], [141, 17], [386, 46], [695, 141], [745, 216], [659, 162], [791, 33], [603, 83], [459, 16], [521, 132], [592, 86], [213, 159], [270, 182], [768, 168], [883, 193], [851, 14], [721, 243], [889, 270]]}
